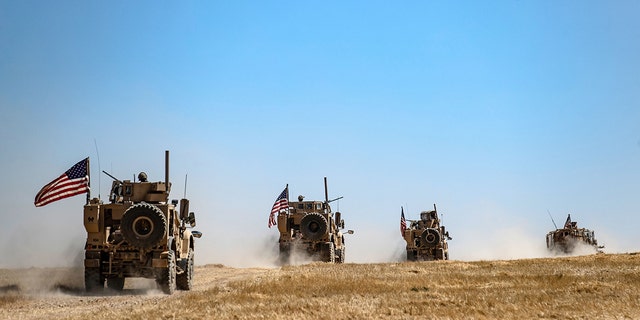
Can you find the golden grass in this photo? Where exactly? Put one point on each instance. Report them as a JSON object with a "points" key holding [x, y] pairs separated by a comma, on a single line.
{"points": [[588, 287]]}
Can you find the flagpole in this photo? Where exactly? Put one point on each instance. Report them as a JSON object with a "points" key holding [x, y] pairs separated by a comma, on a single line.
{"points": [[287, 187], [88, 181]]}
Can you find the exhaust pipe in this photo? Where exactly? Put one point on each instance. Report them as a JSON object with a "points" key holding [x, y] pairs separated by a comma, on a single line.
{"points": [[326, 194], [166, 169]]}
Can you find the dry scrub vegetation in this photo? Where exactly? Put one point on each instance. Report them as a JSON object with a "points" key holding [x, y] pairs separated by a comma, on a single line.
{"points": [[599, 286]]}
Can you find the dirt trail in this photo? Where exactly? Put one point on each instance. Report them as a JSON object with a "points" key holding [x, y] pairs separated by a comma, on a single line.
{"points": [[59, 293]]}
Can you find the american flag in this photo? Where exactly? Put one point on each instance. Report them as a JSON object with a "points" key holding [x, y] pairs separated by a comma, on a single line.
{"points": [[282, 203], [403, 222], [567, 224], [73, 182]]}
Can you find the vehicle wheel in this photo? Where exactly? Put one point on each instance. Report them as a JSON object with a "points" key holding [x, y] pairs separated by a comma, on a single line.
{"points": [[313, 226], [329, 253], [411, 255], [430, 237], [115, 283], [93, 280], [342, 254], [184, 280], [143, 225], [285, 254], [166, 277]]}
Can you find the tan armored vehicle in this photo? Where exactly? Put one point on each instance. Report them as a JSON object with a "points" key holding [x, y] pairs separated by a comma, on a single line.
{"points": [[569, 237], [312, 228], [139, 233], [426, 238]]}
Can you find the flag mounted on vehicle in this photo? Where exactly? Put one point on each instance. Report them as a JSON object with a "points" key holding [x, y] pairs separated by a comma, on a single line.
{"points": [[282, 203], [72, 182], [403, 222], [567, 224]]}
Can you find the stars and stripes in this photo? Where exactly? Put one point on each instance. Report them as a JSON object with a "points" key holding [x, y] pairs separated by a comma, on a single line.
{"points": [[567, 224], [403, 222], [73, 182], [282, 203]]}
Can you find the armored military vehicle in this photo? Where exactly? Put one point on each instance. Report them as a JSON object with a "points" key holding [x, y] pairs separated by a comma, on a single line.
{"points": [[139, 233], [567, 239], [426, 238], [312, 228]]}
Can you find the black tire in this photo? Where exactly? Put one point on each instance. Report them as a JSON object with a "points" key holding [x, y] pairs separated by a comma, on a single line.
{"points": [[328, 253], [166, 277], [115, 283], [341, 255], [184, 280], [411, 255], [285, 254], [313, 226], [143, 225], [430, 238], [93, 280]]}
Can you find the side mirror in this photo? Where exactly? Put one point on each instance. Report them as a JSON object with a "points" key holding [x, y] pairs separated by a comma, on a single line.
{"points": [[196, 234], [184, 208], [192, 219], [350, 231]]}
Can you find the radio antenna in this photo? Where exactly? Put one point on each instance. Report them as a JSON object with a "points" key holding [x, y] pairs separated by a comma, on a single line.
{"points": [[99, 169], [554, 223]]}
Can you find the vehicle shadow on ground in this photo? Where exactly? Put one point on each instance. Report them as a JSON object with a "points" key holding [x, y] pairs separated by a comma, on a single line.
{"points": [[80, 291], [13, 288]]}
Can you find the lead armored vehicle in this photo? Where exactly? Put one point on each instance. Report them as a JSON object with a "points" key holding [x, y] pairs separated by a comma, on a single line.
{"points": [[568, 238], [139, 233], [312, 228], [426, 239]]}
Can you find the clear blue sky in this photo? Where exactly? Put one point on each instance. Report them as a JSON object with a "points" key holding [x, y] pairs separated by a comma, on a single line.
{"points": [[496, 112]]}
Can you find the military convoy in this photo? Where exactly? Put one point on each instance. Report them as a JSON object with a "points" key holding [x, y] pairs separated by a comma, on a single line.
{"points": [[313, 229], [426, 239], [566, 240], [139, 233]]}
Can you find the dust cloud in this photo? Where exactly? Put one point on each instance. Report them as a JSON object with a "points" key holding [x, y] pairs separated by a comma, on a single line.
{"points": [[503, 244]]}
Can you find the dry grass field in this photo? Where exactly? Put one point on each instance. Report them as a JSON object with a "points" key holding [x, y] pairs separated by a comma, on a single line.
{"points": [[602, 286]]}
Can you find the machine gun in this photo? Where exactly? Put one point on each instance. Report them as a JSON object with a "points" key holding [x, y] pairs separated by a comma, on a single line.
{"points": [[112, 177]]}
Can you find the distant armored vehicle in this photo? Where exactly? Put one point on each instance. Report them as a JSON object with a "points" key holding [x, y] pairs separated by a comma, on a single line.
{"points": [[310, 227], [139, 233], [426, 238], [567, 239]]}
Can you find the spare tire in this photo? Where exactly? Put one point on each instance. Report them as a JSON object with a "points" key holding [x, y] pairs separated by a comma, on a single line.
{"points": [[143, 225], [313, 226], [430, 237]]}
